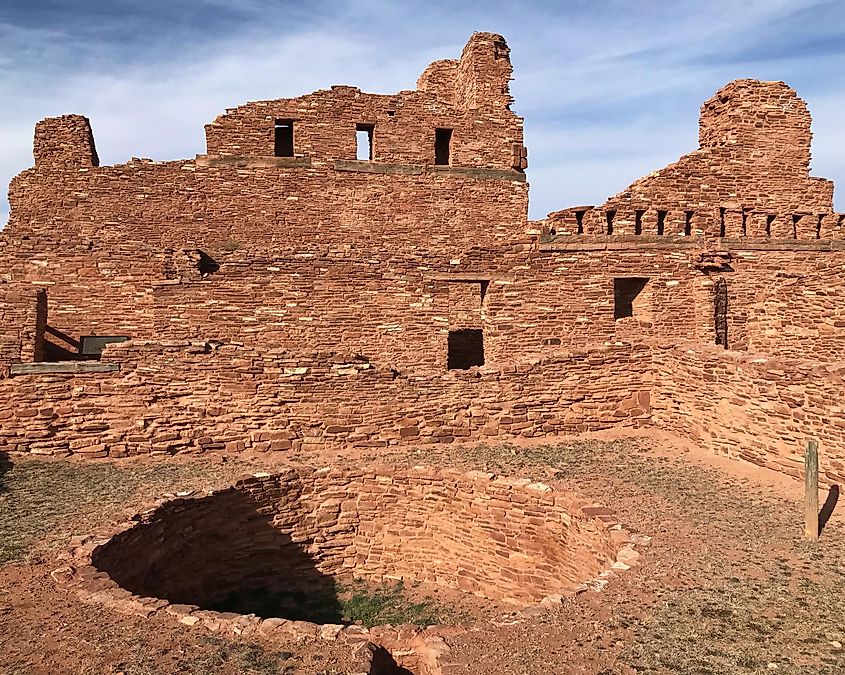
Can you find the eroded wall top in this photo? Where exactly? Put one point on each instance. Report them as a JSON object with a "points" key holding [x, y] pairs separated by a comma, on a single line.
{"points": [[754, 153], [749, 176], [469, 96]]}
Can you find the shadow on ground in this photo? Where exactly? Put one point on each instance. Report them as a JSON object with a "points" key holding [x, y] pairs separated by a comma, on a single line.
{"points": [[5, 467], [828, 506], [219, 553]]}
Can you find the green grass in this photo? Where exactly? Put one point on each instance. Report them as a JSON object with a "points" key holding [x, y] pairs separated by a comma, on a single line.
{"points": [[355, 602], [389, 605]]}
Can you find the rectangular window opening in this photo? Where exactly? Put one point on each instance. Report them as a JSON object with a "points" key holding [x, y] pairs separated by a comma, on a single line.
{"points": [[284, 138], [744, 223], [625, 291], [579, 220], [722, 222], [364, 142], [795, 219], [819, 226], [466, 348], [610, 215], [720, 310], [661, 222], [442, 141], [638, 222], [688, 223], [769, 221]]}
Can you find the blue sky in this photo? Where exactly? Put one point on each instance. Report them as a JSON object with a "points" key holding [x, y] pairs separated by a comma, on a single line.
{"points": [[609, 90]]}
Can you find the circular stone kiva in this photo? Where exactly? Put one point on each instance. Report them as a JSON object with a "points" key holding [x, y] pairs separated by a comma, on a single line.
{"points": [[296, 531]]}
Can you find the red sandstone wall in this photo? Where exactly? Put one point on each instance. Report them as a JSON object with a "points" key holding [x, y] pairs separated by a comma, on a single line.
{"points": [[171, 397], [758, 409], [19, 325], [754, 154], [470, 96]]}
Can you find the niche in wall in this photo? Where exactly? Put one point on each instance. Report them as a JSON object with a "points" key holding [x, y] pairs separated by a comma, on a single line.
{"points": [[626, 293]]}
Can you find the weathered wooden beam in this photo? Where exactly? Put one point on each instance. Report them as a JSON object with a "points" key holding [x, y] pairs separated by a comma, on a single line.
{"points": [[62, 367], [811, 490]]}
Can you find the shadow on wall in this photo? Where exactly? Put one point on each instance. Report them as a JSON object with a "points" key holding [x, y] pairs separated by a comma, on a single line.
{"points": [[828, 506], [220, 554]]}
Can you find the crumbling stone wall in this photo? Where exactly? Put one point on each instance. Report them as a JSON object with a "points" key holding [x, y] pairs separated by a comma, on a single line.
{"points": [[176, 397], [273, 265], [475, 106]]}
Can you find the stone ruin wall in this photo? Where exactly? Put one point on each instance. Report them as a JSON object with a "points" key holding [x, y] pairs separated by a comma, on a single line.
{"points": [[303, 527], [758, 409], [379, 260], [182, 397], [101, 237]]}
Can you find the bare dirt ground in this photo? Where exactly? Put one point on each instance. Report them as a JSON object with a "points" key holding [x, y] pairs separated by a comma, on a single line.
{"points": [[726, 585]]}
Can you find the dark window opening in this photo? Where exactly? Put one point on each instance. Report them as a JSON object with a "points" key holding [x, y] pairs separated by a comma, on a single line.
{"points": [[744, 223], [819, 227], [442, 141], [484, 284], [610, 215], [769, 221], [720, 308], [579, 220], [466, 349], [722, 222], [364, 141], [92, 346], [661, 221], [795, 220], [688, 223], [625, 291], [284, 138], [638, 222], [207, 265]]}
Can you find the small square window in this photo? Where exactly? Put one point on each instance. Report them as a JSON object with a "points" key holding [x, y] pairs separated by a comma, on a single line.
{"points": [[364, 142], [466, 349], [625, 292]]}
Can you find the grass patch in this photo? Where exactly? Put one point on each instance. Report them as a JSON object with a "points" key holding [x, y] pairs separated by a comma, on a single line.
{"points": [[355, 602], [388, 605]]}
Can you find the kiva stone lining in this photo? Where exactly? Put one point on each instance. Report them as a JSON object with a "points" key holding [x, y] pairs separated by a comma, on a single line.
{"points": [[510, 540]]}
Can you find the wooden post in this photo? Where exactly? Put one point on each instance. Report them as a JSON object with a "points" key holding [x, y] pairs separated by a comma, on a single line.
{"points": [[811, 491]]}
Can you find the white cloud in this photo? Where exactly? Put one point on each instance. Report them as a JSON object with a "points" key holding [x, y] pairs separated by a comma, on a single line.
{"points": [[610, 91]]}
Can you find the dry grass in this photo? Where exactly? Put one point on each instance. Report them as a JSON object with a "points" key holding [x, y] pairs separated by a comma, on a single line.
{"points": [[43, 503], [748, 595]]}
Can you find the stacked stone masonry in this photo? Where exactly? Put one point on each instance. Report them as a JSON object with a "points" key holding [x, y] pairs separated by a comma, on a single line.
{"points": [[279, 292]]}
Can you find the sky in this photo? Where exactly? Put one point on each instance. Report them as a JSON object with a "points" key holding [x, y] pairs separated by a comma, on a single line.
{"points": [[610, 90]]}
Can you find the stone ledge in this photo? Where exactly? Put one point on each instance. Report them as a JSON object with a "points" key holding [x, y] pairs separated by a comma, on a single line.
{"points": [[581, 242], [253, 162], [419, 169], [63, 367], [377, 167]]}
